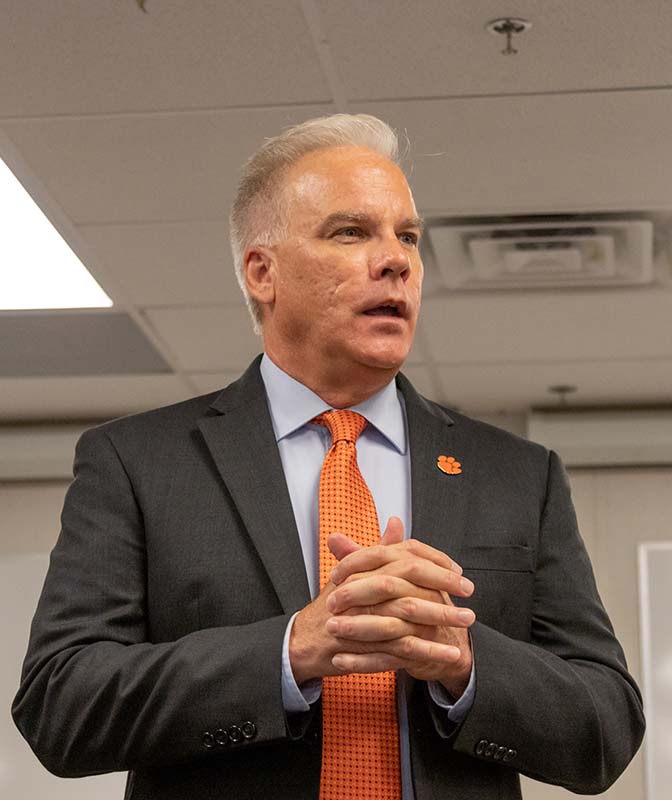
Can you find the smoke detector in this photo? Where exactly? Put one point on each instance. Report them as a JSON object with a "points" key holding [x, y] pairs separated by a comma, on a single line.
{"points": [[543, 253]]}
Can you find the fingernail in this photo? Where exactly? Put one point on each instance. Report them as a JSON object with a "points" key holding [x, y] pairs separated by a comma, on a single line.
{"points": [[332, 625], [466, 615], [453, 652], [340, 662], [466, 585], [333, 576], [331, 603]]}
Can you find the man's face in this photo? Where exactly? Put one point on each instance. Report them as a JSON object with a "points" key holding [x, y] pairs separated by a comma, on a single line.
{"points": [[348, 273]]}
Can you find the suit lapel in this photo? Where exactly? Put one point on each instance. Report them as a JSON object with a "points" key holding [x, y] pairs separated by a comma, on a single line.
{"points": [[438, 501], [242, 443]]}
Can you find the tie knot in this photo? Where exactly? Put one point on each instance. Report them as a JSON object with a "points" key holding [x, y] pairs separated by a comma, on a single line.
{"points": [[343, 425]]}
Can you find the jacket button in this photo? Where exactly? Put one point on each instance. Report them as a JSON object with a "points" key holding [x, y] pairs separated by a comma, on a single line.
{"points": [[510, 755], [480, 747], [499, 755], [221, 737], [235, 734], [208, 740], [249, 729], [491, 749]]}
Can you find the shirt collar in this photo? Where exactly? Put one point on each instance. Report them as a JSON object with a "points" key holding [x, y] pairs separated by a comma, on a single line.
{"points": [[293, 405]]}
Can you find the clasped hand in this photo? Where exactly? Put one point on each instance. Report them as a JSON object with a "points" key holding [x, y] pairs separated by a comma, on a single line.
{"points": [[387, 607]]}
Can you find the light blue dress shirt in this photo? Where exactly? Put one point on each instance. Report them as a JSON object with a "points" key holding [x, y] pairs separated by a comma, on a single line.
{"points": [[384, 460]]}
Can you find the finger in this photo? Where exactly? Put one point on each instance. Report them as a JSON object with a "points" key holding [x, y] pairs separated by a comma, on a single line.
{"points": [[421, 611], [378, 588], [400, 652], [421, 572], [374, 628], [341, 546], [349, 663], [394, 532], [369, 558], [415, 648]]}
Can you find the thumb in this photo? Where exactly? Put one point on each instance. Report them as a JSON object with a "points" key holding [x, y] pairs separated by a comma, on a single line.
{"points": [[341, 546], [394, 533]]}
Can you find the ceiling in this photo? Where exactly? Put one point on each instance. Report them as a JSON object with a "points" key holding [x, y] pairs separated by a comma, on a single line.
{"points": [[129, 128]]}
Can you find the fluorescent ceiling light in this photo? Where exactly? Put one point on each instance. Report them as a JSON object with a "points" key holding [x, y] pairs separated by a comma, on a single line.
{"points": [[37, 267]]}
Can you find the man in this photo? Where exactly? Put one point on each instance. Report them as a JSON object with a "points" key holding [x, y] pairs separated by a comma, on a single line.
{"points": [[176, 636]]}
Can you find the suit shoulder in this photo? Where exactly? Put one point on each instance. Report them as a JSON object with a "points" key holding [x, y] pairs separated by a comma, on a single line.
{"points": [[170, 419]]}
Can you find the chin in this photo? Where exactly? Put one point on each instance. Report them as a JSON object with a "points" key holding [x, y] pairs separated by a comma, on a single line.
{"points": [[385, 359]]}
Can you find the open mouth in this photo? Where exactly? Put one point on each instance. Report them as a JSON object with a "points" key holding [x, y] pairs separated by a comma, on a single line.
{"points": [[383, 311]]}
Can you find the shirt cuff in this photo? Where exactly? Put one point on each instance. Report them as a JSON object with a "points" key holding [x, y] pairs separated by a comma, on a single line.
{"points": [[456, 710], [295, 699]]}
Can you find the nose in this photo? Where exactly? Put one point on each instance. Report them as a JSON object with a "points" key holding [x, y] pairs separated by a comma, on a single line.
{"points": [[390, 260]]}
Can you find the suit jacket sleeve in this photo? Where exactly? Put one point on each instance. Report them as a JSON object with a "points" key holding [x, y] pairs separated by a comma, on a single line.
{"points": [[561, 706], [100, 691]]}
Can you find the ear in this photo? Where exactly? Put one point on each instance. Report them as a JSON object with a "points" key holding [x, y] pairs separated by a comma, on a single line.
{"points": [[261, 274]]}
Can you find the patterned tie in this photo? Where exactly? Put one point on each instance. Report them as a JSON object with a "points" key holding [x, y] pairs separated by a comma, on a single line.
{"points": [[360, 732]]}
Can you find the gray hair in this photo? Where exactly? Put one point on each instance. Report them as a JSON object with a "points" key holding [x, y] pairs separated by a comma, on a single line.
{"points": [[256, 214]]}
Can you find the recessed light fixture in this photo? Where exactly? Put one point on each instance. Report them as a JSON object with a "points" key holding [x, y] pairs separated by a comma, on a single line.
{"points": [[37, 267]]}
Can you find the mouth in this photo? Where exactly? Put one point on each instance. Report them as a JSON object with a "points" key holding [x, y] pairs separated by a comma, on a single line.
{"points": [[391, 308]]}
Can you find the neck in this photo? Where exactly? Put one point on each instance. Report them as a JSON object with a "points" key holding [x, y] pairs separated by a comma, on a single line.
{"points": [[338, 388]]}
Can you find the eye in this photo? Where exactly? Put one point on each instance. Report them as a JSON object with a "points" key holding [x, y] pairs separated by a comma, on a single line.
{"points": [[410, 238], [349, 233]]}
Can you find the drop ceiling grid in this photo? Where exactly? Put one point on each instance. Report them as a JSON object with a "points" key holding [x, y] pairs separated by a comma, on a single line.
{"points": [[146, 204]]}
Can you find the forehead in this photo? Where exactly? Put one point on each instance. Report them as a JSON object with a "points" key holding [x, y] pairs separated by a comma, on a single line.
{"points": [[337, 178]]}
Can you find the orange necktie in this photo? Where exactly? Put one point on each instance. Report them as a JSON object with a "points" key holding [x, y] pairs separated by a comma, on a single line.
{"points": [[360, 732]]}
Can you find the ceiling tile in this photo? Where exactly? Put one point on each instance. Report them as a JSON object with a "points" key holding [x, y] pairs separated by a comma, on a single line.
{"points": [[161, 167], [492, 388], [436, 48], [75, 343], [185, 263], [93, 397], [76, 57], [546, 327], [216, 339], [525, 154]]}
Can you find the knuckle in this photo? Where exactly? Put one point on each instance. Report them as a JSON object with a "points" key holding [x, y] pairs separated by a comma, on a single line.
{"points": [[378, 552], [409, 606], [407, 646]]}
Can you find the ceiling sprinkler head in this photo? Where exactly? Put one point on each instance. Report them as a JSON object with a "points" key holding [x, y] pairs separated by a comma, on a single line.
{"points": [[561, 391], [509, 27]]}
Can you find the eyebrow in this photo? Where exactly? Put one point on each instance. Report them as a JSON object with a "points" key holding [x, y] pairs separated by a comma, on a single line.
{"points": [[345, 217]]}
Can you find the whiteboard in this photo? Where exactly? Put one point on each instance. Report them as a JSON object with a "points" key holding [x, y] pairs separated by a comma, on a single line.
{"points": [[22, 777], [655, 583]]}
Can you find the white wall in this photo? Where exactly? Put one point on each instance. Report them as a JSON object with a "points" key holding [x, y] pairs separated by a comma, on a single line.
{"points": [[29, 524]]}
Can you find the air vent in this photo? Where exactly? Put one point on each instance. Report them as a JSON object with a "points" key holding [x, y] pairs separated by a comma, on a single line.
{"points": [[546, 253]]}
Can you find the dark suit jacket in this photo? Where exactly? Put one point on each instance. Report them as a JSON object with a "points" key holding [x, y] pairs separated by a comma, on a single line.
{"points": [[177, 569]]}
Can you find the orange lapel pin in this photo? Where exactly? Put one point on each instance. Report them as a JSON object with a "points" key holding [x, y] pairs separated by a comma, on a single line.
{"points": [[449, 465]]}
